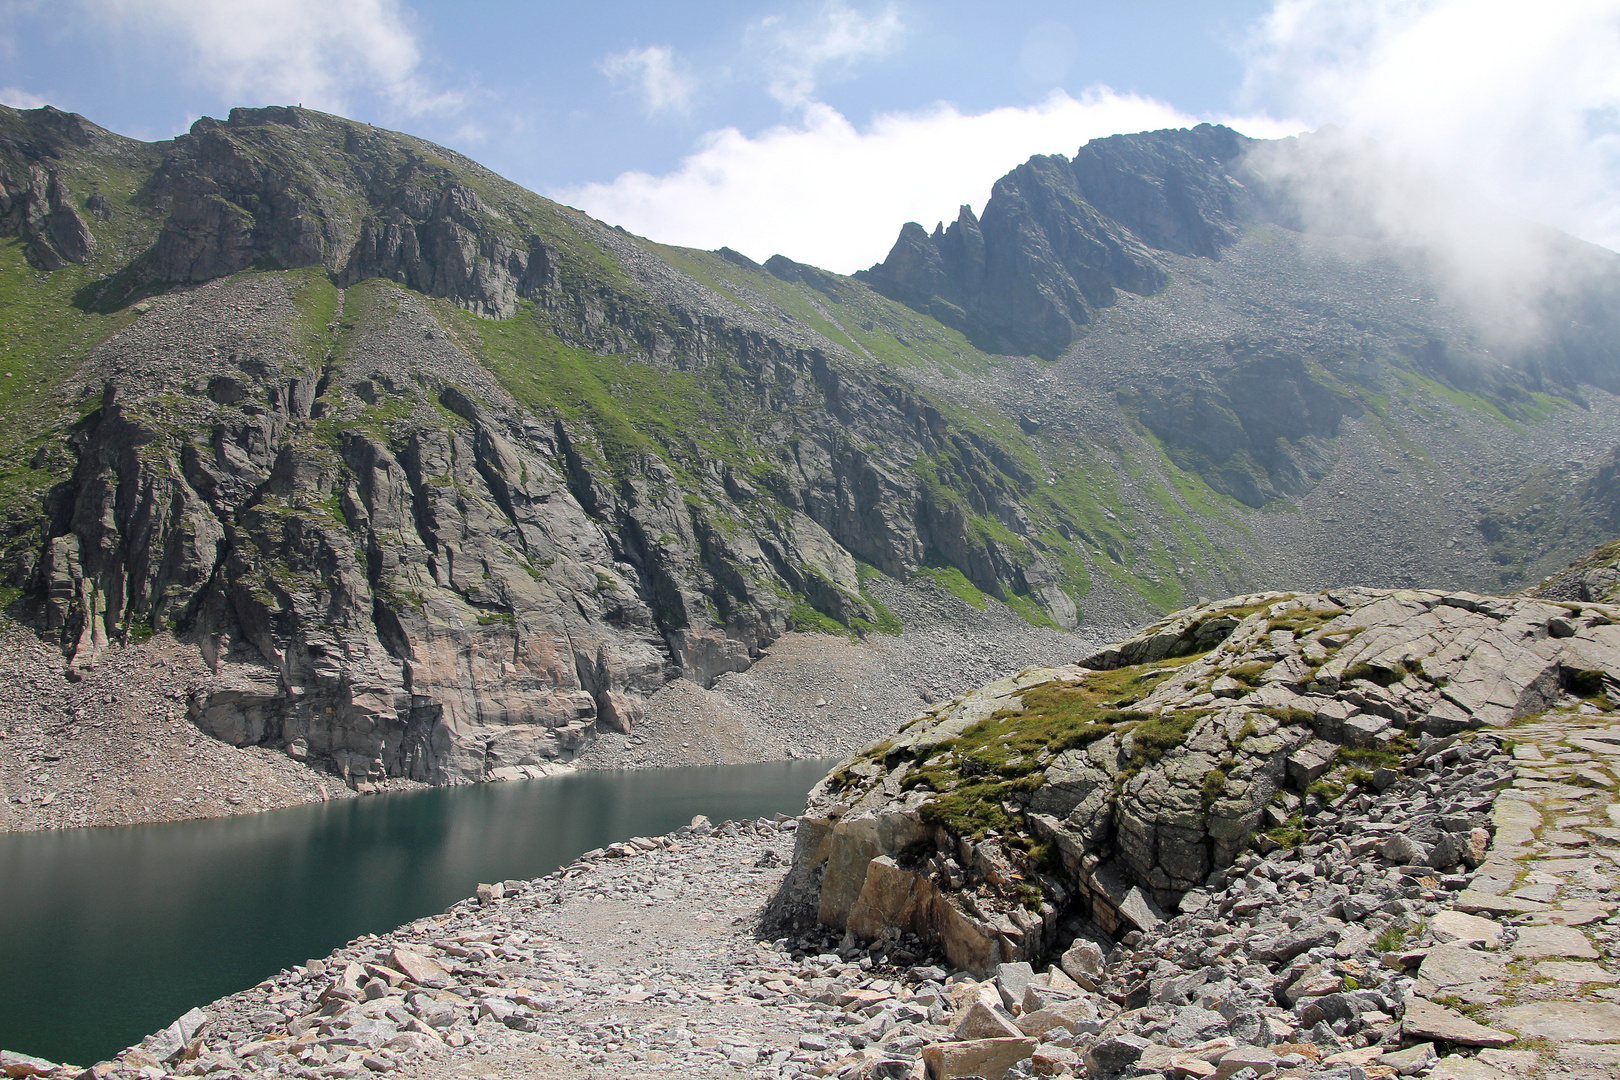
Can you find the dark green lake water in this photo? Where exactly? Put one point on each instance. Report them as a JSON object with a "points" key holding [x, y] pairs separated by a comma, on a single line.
{"points": [[109, 934]]}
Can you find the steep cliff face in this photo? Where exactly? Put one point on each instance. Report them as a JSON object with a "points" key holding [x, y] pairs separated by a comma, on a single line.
{"points": [[397, 567], [415, 542], [444, 478]]}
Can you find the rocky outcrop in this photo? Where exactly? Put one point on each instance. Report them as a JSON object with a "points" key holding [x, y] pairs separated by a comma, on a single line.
{"points": [[1118, 786], [1058, 241], [37, 204], [288, 187], [397, 569], [1593, 578]]}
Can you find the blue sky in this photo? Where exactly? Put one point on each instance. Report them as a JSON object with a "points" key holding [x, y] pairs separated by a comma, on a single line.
{"points": [[816, 127]]}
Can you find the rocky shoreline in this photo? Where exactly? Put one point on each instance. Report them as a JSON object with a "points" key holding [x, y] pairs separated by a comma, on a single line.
{"points": [[114, 746], [1344, 958], [1453, 916]]}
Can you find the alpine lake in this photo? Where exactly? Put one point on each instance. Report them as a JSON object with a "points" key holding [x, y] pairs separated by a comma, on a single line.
{"points": [[108, 934]]}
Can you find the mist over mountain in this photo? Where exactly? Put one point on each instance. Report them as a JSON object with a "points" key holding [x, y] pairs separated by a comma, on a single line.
{"points": [[444, 477]]}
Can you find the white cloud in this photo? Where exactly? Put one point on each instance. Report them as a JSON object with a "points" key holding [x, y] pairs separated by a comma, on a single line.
{"points": [[21, 99], [798, 54], [653, 72], [320, 53], [1518, 102], [824, 192]]}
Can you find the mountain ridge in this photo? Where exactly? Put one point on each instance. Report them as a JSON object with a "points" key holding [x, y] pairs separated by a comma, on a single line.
{"points": [[445, 478]]}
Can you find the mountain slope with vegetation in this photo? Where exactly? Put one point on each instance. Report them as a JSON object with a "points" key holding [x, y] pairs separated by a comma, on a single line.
{"points": [[444, 478]]}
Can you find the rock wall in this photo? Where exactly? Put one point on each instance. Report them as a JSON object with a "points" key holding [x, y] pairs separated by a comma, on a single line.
{"points": [[1059, 237], [398, 569]]}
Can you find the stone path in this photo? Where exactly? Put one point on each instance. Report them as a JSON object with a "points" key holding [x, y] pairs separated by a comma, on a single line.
{"points": [[1549, 882]]}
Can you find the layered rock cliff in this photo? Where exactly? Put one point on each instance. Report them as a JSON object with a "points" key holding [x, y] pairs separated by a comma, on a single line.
{"points": [[411, 543]]}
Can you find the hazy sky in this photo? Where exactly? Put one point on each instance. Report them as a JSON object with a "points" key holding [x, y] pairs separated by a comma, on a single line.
{"points": [[816, 127]]}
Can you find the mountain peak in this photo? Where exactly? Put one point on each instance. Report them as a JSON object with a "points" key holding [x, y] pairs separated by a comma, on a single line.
{"points": [[1060, 237]]}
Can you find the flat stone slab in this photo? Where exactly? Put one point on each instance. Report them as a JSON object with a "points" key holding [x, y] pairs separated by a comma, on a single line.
{"points": [[1452, 966], [1478, 903], [1538, 942], [1572, 914], [1540, 894], [1454, 927], [1570, 972], [1511, 1060], [1426, 1020], [1412, 1060], [1564, 866], [1565, 1021], [1464, 1068], [1596, 1060]]}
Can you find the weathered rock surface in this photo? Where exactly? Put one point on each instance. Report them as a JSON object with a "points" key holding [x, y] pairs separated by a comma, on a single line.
{"points": [[1158, 760], [401, 558], [115, 747]]}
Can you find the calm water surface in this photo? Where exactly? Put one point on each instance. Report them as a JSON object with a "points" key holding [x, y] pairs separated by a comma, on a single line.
{"points": [[109, 934]]}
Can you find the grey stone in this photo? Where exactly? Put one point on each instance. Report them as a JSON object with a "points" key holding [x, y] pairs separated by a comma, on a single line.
{"points": [[1452, 967], [1305, 937], [1457, 1067], [1426, 1020], [982, 1022], [1538, 942], [1458, 928], [1011, 981], [1565, 1021], [1402, 849], [1412, 1060], [1194, 1025], [1083, 959], [1570, 972], [1114, 1054], [1253, 1028]]}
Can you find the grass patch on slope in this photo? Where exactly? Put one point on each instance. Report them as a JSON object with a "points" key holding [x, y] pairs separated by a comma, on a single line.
{"points": [[956, 583], [634, 410], [998, 761], [43, 340]]}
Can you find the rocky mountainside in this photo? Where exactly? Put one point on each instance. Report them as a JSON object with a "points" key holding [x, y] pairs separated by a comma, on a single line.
{"points": [[443, 478]]}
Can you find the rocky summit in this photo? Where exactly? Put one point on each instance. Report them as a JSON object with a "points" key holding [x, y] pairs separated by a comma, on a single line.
{"points": [[444, 481]]}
